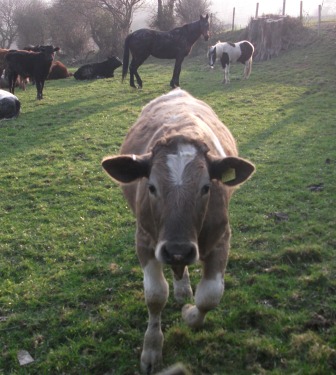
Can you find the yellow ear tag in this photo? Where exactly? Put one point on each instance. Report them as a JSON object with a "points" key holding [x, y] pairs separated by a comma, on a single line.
{"points": [[229, 175]]}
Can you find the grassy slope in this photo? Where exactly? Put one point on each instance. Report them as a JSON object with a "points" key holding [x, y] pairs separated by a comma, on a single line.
{"points": [[70, 284]]}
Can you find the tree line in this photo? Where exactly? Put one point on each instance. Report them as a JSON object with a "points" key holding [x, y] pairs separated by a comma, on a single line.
{"points": [[83, 26]]}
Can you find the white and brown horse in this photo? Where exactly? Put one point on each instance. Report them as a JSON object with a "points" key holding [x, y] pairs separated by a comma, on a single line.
{"points": [[229, 53], [179, 166]]}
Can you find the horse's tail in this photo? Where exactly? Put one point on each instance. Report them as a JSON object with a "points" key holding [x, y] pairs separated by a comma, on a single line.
{"points": [[248, 64], [126, 57]]}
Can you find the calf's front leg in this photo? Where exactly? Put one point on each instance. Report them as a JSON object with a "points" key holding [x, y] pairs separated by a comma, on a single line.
{"points": [[182, 288], [156, 295], [211, 287]]}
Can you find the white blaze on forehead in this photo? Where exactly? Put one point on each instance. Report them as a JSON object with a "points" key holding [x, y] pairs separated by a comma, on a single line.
{"points": [[177, 162]]}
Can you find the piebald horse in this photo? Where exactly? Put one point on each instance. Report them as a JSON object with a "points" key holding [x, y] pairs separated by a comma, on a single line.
{"points": [[229, 53]]}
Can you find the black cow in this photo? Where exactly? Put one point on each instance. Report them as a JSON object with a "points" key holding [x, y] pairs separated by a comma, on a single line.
{"points": [[103, 69], [30, 64]]}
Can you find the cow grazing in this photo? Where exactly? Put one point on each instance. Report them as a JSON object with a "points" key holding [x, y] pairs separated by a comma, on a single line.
{"points": [[179, 166], [9, 105], [103, 69], [58, 71], [30, 64]]}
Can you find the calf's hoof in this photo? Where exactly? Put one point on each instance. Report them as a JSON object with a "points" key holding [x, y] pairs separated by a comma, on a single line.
{"points": [[193, 316], [151, 360]]}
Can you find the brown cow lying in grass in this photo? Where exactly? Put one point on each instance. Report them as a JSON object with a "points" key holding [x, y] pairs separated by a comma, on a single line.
{"points": [[58, 71], [179, 166]]}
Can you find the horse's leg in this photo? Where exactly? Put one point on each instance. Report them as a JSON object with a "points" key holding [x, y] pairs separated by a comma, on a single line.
{"points": [[227, 74], [211, 287], [248, 68], [156, 295], [135, 63], [175, 81], [132, 68]]}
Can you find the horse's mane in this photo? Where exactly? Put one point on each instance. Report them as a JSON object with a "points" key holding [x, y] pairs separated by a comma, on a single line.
{"points": [[185, 26]]}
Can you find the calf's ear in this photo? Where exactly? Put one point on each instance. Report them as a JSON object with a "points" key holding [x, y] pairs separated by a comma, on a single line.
{"points": [[127, 168], [231, 170]]}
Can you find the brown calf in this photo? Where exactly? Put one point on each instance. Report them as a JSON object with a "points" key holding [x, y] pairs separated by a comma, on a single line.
{"points": [[179, 166]]}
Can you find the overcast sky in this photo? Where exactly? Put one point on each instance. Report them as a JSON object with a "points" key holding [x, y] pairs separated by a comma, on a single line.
{"points": [[244, 9]]}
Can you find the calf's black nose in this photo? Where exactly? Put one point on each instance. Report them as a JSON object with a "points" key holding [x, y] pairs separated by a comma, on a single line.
{"points": [[176, 253]]}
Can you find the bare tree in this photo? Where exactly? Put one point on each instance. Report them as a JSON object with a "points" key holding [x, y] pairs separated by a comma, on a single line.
{"points": [[164, 18], [32, 23], [69, 27], [72, 25], [105, 32], [107, 22], [122, 11], [8, 27], [190, 10]]}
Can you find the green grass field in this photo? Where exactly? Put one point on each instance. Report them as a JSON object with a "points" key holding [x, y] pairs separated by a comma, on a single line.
{"points": [[70, 284]]}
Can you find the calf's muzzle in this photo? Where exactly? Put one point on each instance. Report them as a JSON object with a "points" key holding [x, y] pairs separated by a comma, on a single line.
{"points": [[178, 253]]}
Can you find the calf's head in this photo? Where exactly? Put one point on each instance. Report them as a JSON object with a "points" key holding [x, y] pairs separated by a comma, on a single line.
{"points": [[178, 174]]}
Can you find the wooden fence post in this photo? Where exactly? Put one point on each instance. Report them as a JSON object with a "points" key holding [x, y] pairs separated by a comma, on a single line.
{"points": [[319, 19], [301, 2], [257, 10], [233, 18], [210, 22]]}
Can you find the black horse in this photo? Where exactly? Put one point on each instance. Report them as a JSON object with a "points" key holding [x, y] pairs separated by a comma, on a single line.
{"points": [[175, 44]]}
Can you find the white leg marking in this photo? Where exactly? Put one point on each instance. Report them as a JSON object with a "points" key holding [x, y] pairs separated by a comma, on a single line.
{"points": [[209, 292], [207, 297], [155, 285], [246, 69], [156, 294], [228, 74]]}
